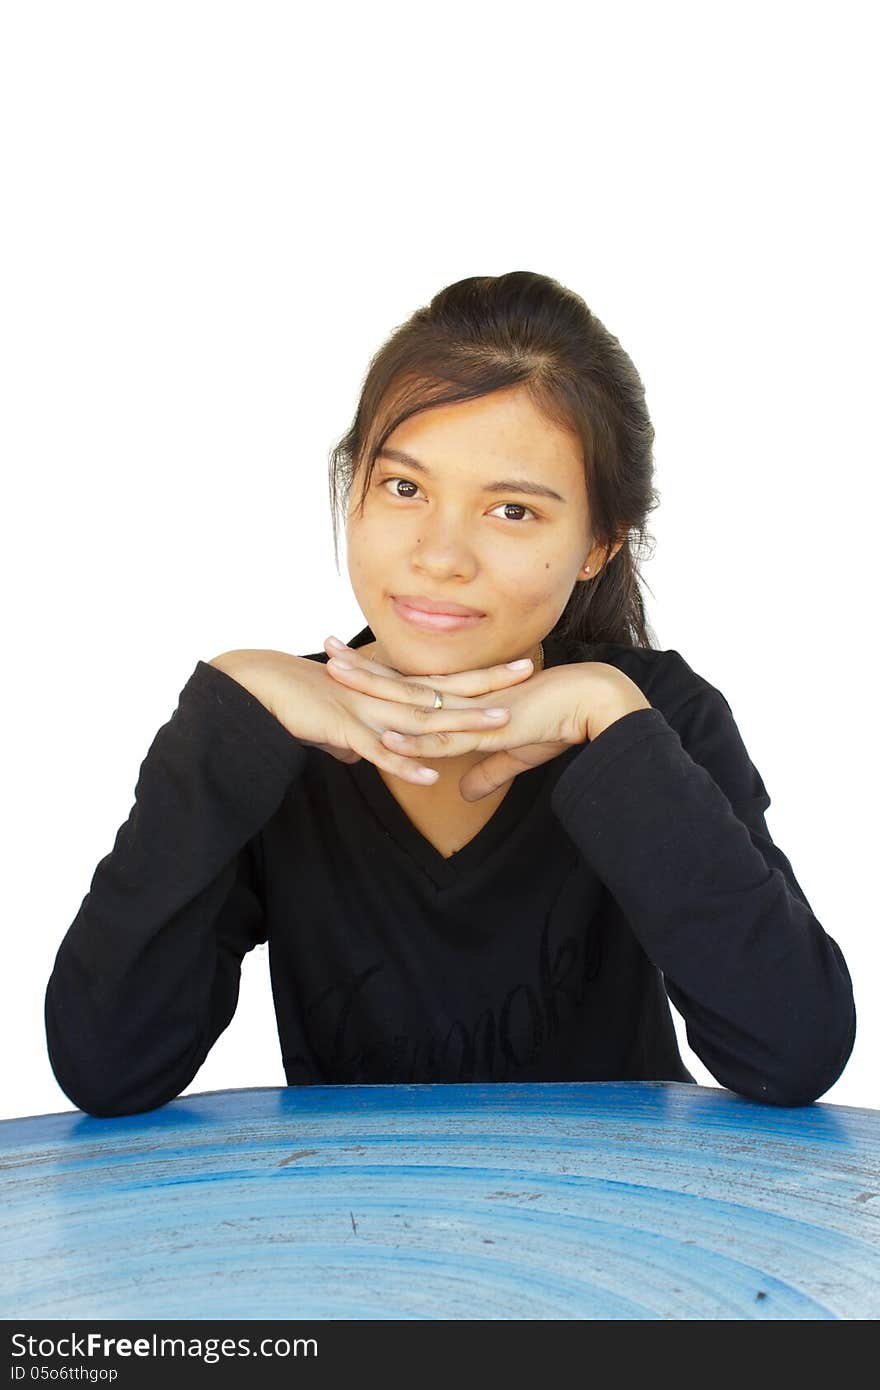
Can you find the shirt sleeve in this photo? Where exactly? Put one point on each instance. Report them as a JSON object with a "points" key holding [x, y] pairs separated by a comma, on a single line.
{"points": [[669, 812], [147, 976]]}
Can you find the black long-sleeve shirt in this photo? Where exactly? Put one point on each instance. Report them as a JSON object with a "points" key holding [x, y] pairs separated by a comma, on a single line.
{"points": [[628, 869]]}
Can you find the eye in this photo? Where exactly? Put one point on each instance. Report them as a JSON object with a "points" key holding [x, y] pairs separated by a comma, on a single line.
{"points": [[520, 507], [409, 483], [406, 481]]}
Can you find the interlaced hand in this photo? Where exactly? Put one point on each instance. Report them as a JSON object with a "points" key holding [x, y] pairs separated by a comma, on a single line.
{"points": [[547, 711]]}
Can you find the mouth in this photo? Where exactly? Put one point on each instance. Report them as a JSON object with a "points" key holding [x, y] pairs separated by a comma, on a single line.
{"points": [[434, 621], [434, 605]]}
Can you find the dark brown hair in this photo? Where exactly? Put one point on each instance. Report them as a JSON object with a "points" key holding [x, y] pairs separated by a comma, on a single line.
{"points": [[495, 331]]}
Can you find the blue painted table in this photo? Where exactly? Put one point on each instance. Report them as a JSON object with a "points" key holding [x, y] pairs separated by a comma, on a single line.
{"points": [[546, 1201]]}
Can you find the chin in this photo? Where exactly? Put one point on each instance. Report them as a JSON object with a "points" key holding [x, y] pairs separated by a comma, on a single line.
{"points": [[429, 658]]}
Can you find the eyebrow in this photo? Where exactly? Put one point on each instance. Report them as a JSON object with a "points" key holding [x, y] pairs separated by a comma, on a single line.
{"points": [[524, 485]]}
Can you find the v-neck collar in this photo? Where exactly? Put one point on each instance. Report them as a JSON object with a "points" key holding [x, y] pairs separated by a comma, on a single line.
{"points": [[520, 797]]}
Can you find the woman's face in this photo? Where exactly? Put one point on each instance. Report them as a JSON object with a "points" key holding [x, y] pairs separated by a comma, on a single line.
{"points": [[463, 529]]}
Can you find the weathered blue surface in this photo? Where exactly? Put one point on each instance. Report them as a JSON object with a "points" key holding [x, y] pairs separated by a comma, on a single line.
{"points": [[651, 1200]]}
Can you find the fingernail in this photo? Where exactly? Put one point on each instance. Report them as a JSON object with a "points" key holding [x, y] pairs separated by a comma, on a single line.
{"points": [[518, 665], [495, 713], [425, 774], [335, 642], [340, 665]]}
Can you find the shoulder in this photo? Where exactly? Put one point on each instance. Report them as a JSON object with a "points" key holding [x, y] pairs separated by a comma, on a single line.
{"points": [[665, 678], [695, 709]]}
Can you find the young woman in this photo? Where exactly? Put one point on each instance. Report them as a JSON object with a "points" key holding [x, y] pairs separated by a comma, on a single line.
{"points": [[490, 838]]}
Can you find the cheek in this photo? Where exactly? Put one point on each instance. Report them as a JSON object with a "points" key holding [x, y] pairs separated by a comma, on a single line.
{"points": [[368, 550], [376, 535], [540, 584], [534, 573]]}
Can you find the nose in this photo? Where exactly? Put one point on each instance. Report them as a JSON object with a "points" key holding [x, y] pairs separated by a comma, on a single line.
{"points": [[443, 547]]}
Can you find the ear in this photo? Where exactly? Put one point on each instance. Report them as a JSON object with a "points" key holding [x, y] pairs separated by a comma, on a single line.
{"points": [[596, 559], [617, 545]]}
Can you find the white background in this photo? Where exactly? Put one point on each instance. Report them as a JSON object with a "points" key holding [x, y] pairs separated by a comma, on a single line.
{"points": [[214, 215]]}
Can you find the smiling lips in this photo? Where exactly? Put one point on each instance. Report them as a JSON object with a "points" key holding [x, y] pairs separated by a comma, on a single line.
{"points": [[451, 617], [434, 605]]}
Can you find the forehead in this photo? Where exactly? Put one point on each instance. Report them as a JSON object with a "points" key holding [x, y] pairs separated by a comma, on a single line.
{"points": [[504, 427]]}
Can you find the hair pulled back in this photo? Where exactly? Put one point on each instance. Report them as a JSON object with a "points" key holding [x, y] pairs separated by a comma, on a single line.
{"points": [[484, 334]]}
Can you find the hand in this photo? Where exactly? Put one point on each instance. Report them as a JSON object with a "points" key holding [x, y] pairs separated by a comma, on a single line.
{"points": [[348, 723], [549, 712]]}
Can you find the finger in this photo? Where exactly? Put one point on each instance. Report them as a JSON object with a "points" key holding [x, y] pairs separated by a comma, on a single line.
{"points": [[384, 716], [416, 697], [460, 729], [351, 654], [499, 767], [443, 743], [479, 682], [390, 687], [466, 683], [490, 775], [379, 755]]}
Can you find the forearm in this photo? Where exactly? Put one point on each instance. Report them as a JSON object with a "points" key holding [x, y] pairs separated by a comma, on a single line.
{"points": [[764, 990], [147, 974]]}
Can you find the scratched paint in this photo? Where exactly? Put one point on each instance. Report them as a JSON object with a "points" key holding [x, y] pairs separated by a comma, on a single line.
{"points": [[548, 1201]]}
